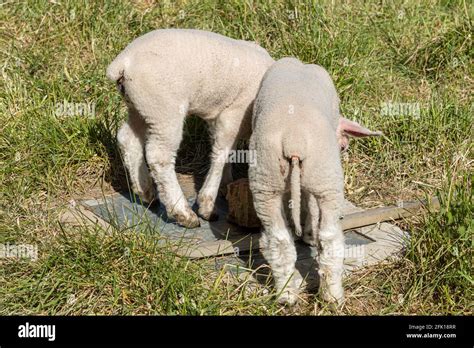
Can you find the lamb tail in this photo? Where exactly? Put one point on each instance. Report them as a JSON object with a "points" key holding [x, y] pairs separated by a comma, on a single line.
{"points": [[295, 187], [116, 69]]}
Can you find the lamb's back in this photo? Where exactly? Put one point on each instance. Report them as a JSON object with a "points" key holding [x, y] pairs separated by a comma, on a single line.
{"points": [[294, 103], [205, 65]]}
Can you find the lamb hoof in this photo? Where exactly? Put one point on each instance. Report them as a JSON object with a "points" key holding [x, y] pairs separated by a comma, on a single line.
{"points": [[148, 196], [208, 216], [190, 220], [206, 208], [287, 298], [334, 295]]}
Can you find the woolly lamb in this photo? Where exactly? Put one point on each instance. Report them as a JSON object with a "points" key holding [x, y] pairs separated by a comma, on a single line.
{"points": [[297, 137], [167, 75]]}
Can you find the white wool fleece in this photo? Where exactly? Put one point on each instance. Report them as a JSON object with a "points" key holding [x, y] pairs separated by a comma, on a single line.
{"points": [[166, 75]]}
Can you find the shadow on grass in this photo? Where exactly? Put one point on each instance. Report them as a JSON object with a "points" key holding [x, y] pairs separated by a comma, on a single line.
{"points": [[192, 157]]}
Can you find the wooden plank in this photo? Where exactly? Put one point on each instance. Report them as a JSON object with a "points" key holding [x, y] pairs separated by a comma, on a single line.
{"points": [[376, 215], [350, 221]]}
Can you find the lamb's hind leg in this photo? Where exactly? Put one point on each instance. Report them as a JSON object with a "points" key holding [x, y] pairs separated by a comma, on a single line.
{"points": [[131, 141], [277, 245], [163, 139], [311, 226], [331, 237]]}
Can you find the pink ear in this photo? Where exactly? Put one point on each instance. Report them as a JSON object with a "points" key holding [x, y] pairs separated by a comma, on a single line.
{"points": [[354, 129]]}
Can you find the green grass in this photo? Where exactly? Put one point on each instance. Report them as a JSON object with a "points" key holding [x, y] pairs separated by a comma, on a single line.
{"points": [[377, 52]]}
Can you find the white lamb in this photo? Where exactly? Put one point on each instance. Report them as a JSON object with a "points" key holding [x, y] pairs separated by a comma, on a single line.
{"points": [[168, 74], [297, 137]]}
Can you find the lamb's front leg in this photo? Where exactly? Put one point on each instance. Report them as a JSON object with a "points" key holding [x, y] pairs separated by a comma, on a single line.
{"points": [[331, 258], [278, 246]]}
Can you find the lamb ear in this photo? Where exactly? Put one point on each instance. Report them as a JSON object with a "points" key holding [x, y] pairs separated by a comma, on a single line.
{"points": [[348, 127]]}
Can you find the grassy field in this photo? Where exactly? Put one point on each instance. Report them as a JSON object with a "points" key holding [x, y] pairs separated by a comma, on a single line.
{"points": [[405, 68]]}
